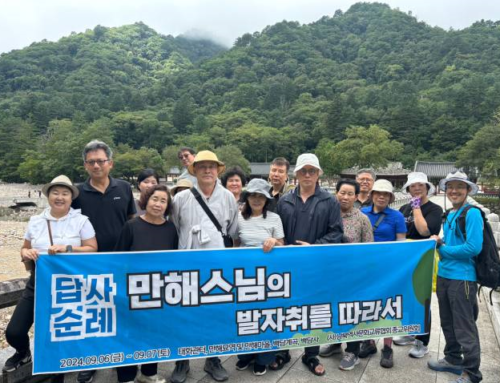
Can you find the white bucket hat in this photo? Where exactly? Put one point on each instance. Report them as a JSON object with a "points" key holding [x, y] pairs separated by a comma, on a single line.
{"points": [[458, 176], [384, 186], [307, 159], [418, 178]]}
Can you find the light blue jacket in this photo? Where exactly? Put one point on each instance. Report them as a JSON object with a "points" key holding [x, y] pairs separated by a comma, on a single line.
{"points": [[458, 255]]}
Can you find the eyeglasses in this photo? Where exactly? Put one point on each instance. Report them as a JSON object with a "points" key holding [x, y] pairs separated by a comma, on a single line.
{"points": [[181, 156], [456, 187], [364, 179], [310, 171], [206, 167], [98, 162]]}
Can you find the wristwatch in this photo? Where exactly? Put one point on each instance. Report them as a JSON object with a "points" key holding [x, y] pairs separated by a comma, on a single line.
{"points": [[69, 249]]}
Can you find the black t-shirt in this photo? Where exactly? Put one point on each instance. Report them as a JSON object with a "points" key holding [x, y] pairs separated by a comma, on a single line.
{"points": [[433, 215], [139, 235], [107, 212]]}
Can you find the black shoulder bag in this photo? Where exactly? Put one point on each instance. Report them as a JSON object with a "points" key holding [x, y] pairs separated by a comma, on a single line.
{"points": [[228, 241]]}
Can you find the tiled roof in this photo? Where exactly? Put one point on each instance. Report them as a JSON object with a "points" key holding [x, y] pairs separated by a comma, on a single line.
{"points": [[393, 169], [435, 169]]}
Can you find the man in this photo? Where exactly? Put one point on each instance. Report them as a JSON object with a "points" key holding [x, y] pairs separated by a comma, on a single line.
{"points": [[197, 231], [366, 178], [108, 202], [310, 215], [186, 156], [278, 177], [456, 284]]}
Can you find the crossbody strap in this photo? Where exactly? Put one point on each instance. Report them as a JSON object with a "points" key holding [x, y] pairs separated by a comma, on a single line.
{"points": [[379, 221], [50, 233], [206, 209]]}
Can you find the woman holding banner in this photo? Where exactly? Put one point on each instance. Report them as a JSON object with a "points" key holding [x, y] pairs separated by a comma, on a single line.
{"points": [[148, 232], [357, 229], [258, 227], [388, 225], [423, 219], [58, 229]]}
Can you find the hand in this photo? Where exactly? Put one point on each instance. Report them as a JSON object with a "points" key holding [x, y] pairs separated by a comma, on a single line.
{"points": [[415, 203], [437, 239], [269, 244], [54, 249], [29, 254], [302, 243]]}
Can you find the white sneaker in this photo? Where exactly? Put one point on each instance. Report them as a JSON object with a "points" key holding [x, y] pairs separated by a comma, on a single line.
{"points": [[418, 350], [403, 340], [150, 379]]}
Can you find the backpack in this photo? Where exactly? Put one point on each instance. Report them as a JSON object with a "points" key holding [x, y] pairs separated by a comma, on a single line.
{"points": [[487, 261]]}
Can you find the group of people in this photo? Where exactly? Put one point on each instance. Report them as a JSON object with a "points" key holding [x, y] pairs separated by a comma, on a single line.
{"points": [[204, 212]]}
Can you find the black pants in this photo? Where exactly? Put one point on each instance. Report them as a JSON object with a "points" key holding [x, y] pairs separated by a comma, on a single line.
{"points": [[22, 319], [458, 311], [128, 373], [353, 347]]}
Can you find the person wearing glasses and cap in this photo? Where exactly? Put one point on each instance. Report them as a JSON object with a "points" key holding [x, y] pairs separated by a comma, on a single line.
{"points": [[456, 287], [310, 216], [423, 219]]}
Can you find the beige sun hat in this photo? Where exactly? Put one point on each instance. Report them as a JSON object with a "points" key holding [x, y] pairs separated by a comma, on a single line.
{"points": [[61, 180], [384, 186], [416, 178], [207, 155], [182, 183], [459, 176]]}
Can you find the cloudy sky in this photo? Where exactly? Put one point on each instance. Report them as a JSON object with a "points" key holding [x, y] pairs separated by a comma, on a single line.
{"points": [[25, 21]]}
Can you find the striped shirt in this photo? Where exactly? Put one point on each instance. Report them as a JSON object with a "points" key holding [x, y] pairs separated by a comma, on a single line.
{"points": [[255, 230]]}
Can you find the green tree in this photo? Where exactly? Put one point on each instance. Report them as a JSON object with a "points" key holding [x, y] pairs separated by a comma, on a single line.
{"points": [[233, 156]]}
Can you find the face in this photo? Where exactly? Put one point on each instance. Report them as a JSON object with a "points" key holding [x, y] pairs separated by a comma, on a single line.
{"points": [[157, 204], [278, 176], [234, 185], [381, 199], [97, 164], [147, 183], [186, 158], [457, 191], [206, 172], [346, 196], [256, 201], [60, 198], [308, 176], [418, 189], [365, 181]]}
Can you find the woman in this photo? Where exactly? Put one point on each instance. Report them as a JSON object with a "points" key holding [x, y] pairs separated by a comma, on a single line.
{"points": [[234, 180], [423, 219], [148, 232], [357, 229], [388, 225], [258, 227], [58, 229], [145, 180]]}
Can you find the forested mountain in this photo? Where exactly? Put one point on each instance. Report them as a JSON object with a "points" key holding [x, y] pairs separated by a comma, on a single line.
{"points": [[278, 92]]}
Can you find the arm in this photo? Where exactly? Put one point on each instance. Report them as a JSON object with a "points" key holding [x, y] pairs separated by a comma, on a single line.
{"points": [[400, 227], [335, 229], [420, 223], [28, 253], [125, 240], [474, 242], [401, 237]]}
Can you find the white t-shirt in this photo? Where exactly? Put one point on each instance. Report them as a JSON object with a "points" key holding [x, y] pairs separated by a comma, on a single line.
{"points": [[255, 230], [71, 229]]}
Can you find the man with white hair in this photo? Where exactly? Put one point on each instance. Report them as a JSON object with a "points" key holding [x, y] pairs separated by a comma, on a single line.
{"points": [[310, 216]]}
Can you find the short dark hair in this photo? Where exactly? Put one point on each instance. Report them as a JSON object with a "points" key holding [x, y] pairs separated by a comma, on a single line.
{"points": [[246, 210], [144, 199], [186, 149], [146, 173], [281, 161], [234, 171], [346, 181]]}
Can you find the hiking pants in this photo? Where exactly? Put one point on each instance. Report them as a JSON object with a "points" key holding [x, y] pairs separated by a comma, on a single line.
{"points": [[458, 311]]}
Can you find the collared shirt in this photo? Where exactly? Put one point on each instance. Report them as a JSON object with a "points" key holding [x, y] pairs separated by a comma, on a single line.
{"points": [[196, 230], [107, 211], [358, 204], [273, 204], [357, 227], [392, 224]]}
